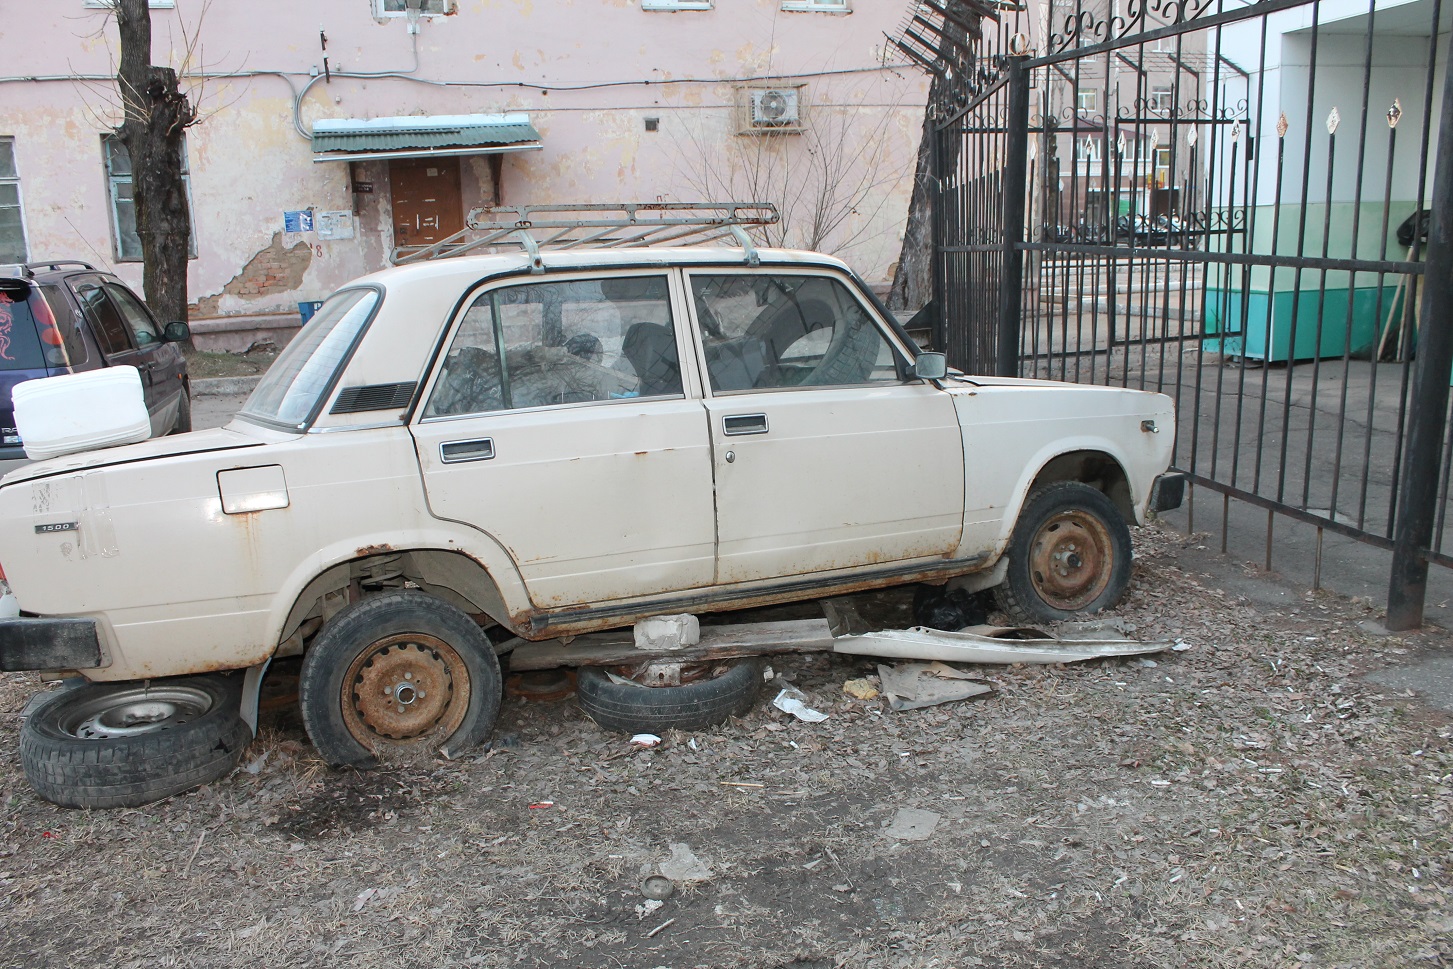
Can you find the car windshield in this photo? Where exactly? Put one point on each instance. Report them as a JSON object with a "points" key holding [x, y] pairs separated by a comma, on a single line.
{"points": [[293, 386]]}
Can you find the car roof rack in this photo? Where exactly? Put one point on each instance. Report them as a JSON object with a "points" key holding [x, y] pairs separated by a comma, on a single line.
{"points": [[624, 225], [58, 263]]}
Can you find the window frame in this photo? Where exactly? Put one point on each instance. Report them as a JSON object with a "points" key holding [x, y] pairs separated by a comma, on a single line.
{"points": [[1162, 97], [672, 6], [445, 8], [902, 357], [489, 290], [8, 142], [108, 4], [817, 6], [1094, 97], [113, 199]]}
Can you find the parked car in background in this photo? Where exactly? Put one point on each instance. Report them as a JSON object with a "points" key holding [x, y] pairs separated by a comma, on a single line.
{"points": [[65, 317]]}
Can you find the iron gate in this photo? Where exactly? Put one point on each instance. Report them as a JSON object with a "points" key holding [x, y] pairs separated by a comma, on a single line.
{"points": [[1229, 203]]}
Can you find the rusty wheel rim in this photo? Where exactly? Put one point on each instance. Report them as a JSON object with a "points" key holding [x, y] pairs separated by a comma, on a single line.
{"points": [[1071, 560], [405, 691]]}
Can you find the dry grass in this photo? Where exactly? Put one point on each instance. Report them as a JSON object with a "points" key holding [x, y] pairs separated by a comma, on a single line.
{"points": [[1248, 801]]}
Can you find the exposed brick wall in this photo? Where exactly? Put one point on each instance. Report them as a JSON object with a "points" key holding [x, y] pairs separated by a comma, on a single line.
{"points": [[276, 269]]}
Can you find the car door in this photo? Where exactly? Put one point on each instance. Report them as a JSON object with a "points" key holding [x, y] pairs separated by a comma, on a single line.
{"points": [[826, 458], [559, 421], [161, 362], [127, 336]]}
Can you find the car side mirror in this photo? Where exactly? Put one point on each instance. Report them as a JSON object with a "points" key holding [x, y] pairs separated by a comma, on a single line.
{"points": [[930, 365], [176, 332]]}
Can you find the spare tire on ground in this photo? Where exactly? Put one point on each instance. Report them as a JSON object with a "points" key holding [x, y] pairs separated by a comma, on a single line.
{"points": [[709, 693], [106, 745]]}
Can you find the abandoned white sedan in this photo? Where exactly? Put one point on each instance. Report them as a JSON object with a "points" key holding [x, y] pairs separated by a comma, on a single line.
{"points": [[463, 451]]}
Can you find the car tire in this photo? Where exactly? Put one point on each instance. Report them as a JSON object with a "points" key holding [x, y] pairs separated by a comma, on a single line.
{"points": [[110, 745], [638, 708], [1069, 555], [398, 676], [184, 413]]}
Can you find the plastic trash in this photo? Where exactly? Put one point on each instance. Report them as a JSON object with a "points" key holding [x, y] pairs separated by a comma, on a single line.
{"points": [[792, 700]]}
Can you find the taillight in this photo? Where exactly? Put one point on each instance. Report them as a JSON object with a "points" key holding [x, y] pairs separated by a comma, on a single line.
{"points": [[50, 332]]}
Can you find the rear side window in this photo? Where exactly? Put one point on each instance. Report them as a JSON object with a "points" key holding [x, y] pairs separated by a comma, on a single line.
{"points": [[106, 323], [29, 338]]}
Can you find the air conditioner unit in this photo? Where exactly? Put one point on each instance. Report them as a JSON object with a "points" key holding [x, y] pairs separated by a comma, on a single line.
{"points": [[775, 107]]}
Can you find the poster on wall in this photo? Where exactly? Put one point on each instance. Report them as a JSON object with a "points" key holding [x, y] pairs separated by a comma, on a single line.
{"points": [[298, 220], [335, 225]]}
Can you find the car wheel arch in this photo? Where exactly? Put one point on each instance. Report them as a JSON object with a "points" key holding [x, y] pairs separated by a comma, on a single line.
{"points": [[455, 577], [1098, 469]]}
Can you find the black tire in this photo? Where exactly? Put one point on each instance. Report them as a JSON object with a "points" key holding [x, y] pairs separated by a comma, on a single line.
{"points": [[409, 647], [1069, 556], [184, 413], [636, 708], [109, 745]]}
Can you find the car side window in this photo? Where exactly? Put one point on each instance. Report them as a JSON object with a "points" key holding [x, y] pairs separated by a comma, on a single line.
{"points": [[143, 328], [104, 318], [768, 331], [540, 344]]}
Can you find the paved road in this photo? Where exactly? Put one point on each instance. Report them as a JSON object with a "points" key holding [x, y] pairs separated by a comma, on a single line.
{"points": [[214, 411]]}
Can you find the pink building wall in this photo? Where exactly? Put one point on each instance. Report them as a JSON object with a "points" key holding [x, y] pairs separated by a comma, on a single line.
{"points": [[587, 72]]}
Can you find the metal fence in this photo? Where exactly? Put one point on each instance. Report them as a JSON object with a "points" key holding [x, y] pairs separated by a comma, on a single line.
{"points": [[1229, 203]]}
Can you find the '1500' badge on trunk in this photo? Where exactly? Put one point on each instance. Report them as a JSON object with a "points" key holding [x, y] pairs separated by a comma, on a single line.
{"points": [[56, 527]]}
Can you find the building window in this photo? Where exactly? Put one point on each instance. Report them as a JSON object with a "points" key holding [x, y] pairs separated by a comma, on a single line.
{"points": [[12, 225], [1162, 98], [676, 4], [1086, 99], [400, 8], [153, 4], [124, 240], [822, 6]]}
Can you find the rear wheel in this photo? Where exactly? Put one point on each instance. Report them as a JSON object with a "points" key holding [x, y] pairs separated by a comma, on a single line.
{"points": [[397, 676], [660, 696], [1069, 555], [107, 745]]}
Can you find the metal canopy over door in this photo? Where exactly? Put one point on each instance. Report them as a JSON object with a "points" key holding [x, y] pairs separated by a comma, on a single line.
{"points": [[427, 200], [582, 455], [816, 437]]}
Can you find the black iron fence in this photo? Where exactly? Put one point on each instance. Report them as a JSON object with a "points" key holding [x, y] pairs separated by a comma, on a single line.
{"points": [[1232, 204]]}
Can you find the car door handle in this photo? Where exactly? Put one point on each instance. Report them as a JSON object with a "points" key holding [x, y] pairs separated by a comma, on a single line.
{"points": [[456, 452], [735, 424]]}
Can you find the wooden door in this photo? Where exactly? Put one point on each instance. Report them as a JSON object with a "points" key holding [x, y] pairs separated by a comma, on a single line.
{"points": [[428, 202]]}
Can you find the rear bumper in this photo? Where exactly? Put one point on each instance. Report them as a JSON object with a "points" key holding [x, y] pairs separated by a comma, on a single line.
{"points": [[49, 644], [1168, 491]]}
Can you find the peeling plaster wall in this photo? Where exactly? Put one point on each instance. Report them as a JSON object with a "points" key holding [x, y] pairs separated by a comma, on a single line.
{"points": [[249, 164]]}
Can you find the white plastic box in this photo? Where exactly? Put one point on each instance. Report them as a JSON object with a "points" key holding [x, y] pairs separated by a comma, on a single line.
{"points": [[81, 412]]}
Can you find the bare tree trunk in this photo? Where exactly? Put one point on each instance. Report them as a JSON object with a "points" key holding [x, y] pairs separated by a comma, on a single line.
{"points": [[913, 279], [157, 112]]}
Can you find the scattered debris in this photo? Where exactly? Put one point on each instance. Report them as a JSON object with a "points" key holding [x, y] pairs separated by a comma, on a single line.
{"points": [[912, 686], [658, 887], [912, 824], [794, 701], [862, 689], [645, 740], [683, 867], [988, 644]]}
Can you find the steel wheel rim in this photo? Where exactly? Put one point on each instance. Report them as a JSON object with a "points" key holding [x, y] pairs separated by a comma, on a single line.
{"points": [[1071, 560], [405, 690], [133, 711]]}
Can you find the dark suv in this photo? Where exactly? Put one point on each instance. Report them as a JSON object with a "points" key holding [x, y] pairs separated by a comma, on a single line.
{"points": [[63, 317]]}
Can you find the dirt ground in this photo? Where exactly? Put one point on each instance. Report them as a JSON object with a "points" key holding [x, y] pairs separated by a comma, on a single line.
{"points": [[1242, 800]]}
